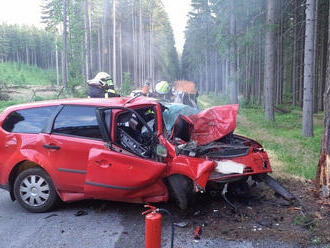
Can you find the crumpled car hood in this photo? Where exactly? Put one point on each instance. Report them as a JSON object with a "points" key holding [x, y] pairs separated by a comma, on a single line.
{"points": [[213, 123]]}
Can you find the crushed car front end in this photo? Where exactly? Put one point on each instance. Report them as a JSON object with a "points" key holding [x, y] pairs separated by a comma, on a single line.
{"points": [[207, 136], [235, 156]]}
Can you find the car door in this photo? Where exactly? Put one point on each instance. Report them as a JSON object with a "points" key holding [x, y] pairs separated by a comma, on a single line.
{"points": [[116, 174], [74, 133]]}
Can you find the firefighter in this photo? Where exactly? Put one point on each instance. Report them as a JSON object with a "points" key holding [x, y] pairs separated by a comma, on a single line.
{"points": [[163, 90], [101, 86], [145, 90]]}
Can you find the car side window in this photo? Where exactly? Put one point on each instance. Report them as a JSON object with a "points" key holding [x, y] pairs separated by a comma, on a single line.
{"points": [[31, 120], [77, 121]]}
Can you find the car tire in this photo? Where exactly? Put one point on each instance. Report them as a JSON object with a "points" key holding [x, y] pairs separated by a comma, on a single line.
{"points": [[35, 190], [181, 190]]}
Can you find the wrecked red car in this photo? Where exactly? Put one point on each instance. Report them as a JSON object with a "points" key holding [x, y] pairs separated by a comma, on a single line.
{"points": [[122, 149]]}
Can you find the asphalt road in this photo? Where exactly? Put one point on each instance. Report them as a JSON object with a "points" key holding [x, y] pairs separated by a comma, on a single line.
{"points": [[106, 225]]}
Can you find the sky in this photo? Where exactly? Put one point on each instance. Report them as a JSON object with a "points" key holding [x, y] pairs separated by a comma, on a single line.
{"points": [[177, 11], [20, 12], [28, 12]]}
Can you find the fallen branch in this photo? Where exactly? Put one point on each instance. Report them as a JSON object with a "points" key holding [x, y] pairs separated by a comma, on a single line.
{"points": [[33, 95], [281, 110], [60, 92]]}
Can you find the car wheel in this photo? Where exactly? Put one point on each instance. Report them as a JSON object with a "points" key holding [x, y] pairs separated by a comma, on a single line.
{"points": [[35, 191], [181, 190]]}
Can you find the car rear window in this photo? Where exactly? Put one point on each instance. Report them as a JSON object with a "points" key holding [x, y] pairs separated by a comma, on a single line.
{"points": [[77, 121], [31, 120]]}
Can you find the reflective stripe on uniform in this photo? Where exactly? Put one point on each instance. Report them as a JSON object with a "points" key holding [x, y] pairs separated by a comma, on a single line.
{"points": [[163, 88], [111, 91]]}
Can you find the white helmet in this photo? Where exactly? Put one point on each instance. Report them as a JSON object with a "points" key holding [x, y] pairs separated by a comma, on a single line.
{"points": [[101, 78], [162, 87]]}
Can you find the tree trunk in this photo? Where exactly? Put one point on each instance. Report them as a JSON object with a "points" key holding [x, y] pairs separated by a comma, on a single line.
{"points": [[301, 65], [269, 62], [87, 42], [134, 45], [279, 57], [64, 58], [307, 122], [233, 62], [294, 57], [323, 170], [114, 68], [207, 83], [105, 35], [99, 49], [226, 91], [151, 58], [57, 69], [216, 75], [260, 71], [120, 56], [140, 54], [316, 59], [26, 55]]}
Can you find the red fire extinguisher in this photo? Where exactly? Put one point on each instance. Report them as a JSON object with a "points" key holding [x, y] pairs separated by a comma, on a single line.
{"points": [[153, 227]]}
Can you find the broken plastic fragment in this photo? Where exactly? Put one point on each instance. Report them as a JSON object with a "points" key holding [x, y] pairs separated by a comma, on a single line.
{"points": [[197, 232], [181, 224], [197, 213], [51, 215], [81, 213]]}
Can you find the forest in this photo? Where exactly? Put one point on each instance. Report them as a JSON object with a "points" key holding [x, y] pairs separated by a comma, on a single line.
{"points": [[268, 53], [231, 51], [129, 37]]}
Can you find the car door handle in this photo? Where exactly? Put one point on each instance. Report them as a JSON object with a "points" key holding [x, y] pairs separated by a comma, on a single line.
{"points": [[103, 163], [51, 147], [12, 142]]}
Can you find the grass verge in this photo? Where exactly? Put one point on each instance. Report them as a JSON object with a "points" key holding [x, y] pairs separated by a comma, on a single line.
{"points": [[22, 74]]}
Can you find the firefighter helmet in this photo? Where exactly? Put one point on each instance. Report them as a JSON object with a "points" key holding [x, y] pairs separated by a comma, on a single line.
{"points": [[101, 79], [162, 87]]}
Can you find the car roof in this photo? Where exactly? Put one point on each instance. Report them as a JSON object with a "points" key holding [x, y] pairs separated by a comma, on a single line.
{"points": [[104, 102]]}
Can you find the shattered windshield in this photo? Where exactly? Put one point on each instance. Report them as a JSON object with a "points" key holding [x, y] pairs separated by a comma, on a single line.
{"points": [[173, 110]]}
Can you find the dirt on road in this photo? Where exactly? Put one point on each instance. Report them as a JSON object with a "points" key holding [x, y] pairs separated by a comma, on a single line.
{"points": [[262, 218], [264, 215]]}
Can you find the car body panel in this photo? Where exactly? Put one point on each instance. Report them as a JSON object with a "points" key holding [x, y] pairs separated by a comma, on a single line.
{"points": [[197, 169], [214, 123], [114, 175], [256, 162], [71, 160], [30, 149]]}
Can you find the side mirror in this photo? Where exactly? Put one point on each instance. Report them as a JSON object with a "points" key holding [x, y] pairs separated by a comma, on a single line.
{"points": [[161, 151]]}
